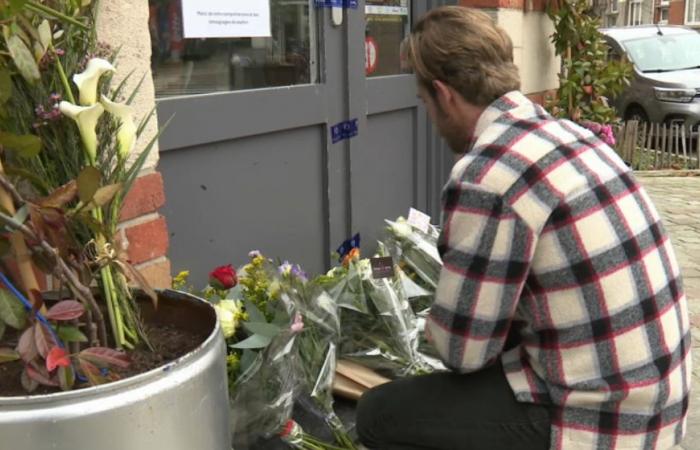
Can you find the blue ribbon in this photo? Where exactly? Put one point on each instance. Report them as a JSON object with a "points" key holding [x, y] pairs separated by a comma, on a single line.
{"points": [[28, 306], [347, 4], [347, 246]]}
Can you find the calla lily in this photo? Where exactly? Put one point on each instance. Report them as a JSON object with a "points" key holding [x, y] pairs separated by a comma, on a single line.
{"points": [[86, 117], [126, 135], [87, 81]]}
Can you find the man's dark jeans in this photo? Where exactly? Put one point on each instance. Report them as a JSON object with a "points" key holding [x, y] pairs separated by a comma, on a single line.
{"points": [[451, 412]]}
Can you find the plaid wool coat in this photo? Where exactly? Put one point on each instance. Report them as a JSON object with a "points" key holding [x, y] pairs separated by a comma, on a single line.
{"points": [[546, 233]]}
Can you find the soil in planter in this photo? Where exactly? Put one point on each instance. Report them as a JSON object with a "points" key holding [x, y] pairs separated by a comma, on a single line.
{"points": [[169, 343]]}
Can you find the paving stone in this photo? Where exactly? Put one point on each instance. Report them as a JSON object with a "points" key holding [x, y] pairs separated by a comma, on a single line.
{"points": [[676, 199]]}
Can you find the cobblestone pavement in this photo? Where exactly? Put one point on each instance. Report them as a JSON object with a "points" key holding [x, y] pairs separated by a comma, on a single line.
{"points": [[678, 201]]}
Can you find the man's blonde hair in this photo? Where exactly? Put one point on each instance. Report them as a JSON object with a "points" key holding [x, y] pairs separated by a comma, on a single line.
{"points": [[465, 49]]}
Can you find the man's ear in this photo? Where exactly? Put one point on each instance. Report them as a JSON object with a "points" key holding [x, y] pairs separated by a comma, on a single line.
{"points": [[444, 95]]}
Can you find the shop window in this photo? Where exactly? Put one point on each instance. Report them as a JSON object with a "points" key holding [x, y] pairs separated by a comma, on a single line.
{"points": [[388, 22], [207, 65]]}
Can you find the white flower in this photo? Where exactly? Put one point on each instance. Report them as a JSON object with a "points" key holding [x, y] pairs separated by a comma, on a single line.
{"points": [[364, 269], [226, 311], [401, 229], [87, 81], [126, 136], [86, 117]]}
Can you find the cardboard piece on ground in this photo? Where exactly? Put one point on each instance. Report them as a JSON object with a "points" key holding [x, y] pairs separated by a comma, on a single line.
{"points": [[345, 387], [355, 379], [360, 374]]}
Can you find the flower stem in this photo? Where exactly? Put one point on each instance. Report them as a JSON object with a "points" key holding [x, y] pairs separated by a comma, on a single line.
{"points": [[46, 11], [62, 76]]}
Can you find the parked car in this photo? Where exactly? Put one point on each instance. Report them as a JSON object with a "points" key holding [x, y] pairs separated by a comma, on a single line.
{"points": [[666, 83]]}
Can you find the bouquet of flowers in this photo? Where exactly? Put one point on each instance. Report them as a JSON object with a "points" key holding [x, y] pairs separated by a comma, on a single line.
{"points": [[316, 345], [281, 331], [383, 335], [416, 251]]}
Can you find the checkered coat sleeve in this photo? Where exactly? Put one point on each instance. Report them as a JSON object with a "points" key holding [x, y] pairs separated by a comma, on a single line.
{"points": [[487, 250], [544, 226]]}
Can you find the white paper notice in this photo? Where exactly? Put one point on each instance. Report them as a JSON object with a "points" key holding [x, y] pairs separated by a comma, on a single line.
{"points": [[226, 18], [419, 220]]}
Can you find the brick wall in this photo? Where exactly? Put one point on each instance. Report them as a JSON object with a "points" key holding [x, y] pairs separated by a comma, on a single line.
{"points": [[676, 12], [146, 231]]}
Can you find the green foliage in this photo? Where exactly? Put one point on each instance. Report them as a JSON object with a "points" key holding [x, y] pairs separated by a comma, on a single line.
{"points": [[589, 77]]}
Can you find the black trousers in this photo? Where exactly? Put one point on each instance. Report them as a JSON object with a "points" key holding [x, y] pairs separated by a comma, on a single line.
{"points": [[448, 411]]}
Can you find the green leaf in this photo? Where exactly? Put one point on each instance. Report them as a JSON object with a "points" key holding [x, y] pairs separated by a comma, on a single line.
{"points": [[11, 310], [16, 5], [254, 314], [71, 334], [21, 214], [255, 341], [26, 145], [66, 377], [5, 86], [89, 181], [263, 328], [23, 58], [8, 355], [44, 35]]}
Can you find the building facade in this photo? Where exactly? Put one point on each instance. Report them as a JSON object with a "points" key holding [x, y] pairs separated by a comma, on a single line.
{"points": [[619, 13]]}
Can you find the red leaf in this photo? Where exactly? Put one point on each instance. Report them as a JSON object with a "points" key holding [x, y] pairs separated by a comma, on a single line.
{"points": [[105, 357], [40, 375], [43, 339], [57, 357], [26, 346], [91, 372], [66, 310]]}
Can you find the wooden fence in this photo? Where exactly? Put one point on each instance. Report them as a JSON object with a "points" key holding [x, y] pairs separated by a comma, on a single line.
{"points": [[650, 146]]}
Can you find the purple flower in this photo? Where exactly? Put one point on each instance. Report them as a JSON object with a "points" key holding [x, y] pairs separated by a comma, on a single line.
{"points": [[285, 268], [299, 273]]}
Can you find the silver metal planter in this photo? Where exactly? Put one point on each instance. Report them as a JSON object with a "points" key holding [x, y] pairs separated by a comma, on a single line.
{"points": [[180, 406]]}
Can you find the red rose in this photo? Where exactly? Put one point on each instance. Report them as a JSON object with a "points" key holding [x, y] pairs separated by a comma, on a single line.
{"points": [[223, 277]]}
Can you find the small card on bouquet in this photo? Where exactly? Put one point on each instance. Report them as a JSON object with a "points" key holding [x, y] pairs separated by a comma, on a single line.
{"points": [[382, 267]]}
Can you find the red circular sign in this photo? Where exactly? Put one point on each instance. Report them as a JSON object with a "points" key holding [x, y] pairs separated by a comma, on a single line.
{"points": [[371, 55]]}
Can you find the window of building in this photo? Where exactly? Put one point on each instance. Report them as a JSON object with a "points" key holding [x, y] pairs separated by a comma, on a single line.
{"points": [[200, 66], [663, 16], [388, 22], [614, 6], [611, 20], [634, 16], [692, 12]]}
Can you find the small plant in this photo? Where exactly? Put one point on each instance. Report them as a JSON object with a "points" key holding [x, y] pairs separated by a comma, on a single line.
{"points": [[66, 343], [589, 78]]}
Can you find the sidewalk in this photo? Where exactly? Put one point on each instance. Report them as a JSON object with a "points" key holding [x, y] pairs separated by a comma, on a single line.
{"points": [[678, 202]]}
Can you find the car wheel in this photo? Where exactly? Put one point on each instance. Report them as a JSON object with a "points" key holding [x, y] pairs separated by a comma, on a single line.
{"points": [[636, 113]]}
